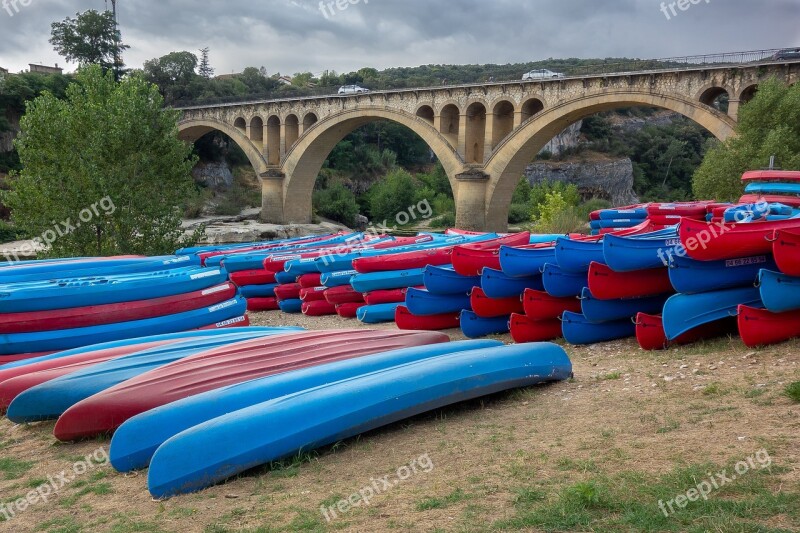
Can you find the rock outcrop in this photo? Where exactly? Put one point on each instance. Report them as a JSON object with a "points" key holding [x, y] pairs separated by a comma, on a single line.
{"points": [[214, 175], [611, 180]]}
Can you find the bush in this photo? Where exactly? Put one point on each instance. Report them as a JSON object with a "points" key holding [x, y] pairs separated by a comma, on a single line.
{"points": [[556, 215], [519, 213], [539, 195], [445, 221], [594, 204], [337, 203], [392, 195], [8, 233]]}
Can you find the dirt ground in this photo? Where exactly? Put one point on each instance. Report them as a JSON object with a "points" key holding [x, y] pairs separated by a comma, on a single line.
{"points": [[627, 415]]}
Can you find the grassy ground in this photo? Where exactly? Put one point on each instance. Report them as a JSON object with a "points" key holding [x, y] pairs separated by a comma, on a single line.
{"points": [[596, 453]]}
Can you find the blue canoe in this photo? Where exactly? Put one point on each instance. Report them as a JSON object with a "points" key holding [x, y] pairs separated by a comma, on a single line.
{"points": [[779, 292], [223, 447], [617, 223], [562, 284], [50, 399], [337, 279], [576, 256], [258, 291], [616, 214], [525, 262], [423, 303], [96, 268], [578, 330], [497, 284], [684, 312], [690, 276], [98, 291], [395, 279], [626, 254], [475, 327], [307, 265], [773, 188], [377, 314], [445, 280], [599, 311], [284, 278], [294, 305], [137, 439]]}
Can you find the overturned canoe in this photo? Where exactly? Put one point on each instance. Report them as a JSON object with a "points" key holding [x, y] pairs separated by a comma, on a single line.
{"points": [[685, 312], [497, 284], [408, 321], [563, 284], [690, 276], [486, 307], [475, 327], [778, 291], [607, 284], [525, 329], [760, 327], [598, 311], [578, 331], [445, 280]]}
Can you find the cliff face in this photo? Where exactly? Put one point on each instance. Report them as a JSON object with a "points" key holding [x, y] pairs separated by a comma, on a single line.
{"points": [[569, 138], [611, 180]]}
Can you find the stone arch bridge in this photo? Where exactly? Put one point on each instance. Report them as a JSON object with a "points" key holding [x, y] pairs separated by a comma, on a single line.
{"points": [[484, 134]]}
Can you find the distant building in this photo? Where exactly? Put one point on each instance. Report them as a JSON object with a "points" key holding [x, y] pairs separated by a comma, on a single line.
{"points": [[44, 69], [285, 80]]}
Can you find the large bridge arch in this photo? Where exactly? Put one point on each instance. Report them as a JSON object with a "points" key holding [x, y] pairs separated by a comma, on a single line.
{"points": [[192, 129], [507, 163], [304, 161]]}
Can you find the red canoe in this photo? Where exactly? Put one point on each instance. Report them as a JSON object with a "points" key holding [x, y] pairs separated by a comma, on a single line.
{"points": [[227, 365], [786, 249], [308, 281], [525, 329], [539, 305], [471, 259], [793, 201], [650, 332], [318, 308], [404, 261], [605, 284], [14, 381], [705, 241], [771, 175], [252, 277], [80, 317], [265, 247], [262, 304], [316, 294], [681, 209], [759, 327], [486, 307], [392, 296], [405, 320], [290, 291], [343, 295], [349, 310]]}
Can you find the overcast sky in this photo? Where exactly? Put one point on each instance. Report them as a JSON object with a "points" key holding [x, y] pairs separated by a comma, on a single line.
{"points": [[289, 36]]}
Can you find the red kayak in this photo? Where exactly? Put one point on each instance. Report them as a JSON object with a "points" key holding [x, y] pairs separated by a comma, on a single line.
{"points": [[349, 310], [456, 231], [262, 304], [308, 281], [793, 201], [316, 294], [525, 329], [771, 175], [759, 327], [343, 295], [605, 284], [705, 241], [81, 317], [666, 220], [224, 366], [405, 320], [486, 307], [391, 296], [5, 359], [318, 308], [471, 259], [14, 381], [539, 305], [252, 277], [681, 209], [404, 261], [290, 291], [786, 249], [650, 332]]}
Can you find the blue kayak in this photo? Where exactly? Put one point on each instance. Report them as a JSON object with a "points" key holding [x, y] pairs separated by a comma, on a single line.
{"points": [[616, 214], [240, 246], [445, 280], [762, 187], [338, 279], [684, 312], [308, 265], [394, 279], [284, 278], [578, 330], [423, 303], [110, 267], [576, 256], [626, 254], [599, 311], [690, 276], [225, 446], [137, 439], [617, 223], [525, 262], [377, 314], [99, 291], [65, 339], [475, 327], [497, 284], [294, 305], [50, 399], [562, 284], [779, 292], [258, 291]]}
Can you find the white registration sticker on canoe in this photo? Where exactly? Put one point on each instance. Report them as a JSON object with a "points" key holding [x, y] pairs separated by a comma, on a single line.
{"points": [[230, 322], [218, 288], [207, 274], [223, 305]]}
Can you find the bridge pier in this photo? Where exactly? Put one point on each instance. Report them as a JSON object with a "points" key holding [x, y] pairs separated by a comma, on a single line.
{"points": [[471, 200], [272, 197]]}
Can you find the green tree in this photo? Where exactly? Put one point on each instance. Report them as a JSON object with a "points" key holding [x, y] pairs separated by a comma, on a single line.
{"points": [[768, 125], [108, 143], [204, 69], [91, 38], [337, 203], [392, 195], [174, 75]]}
